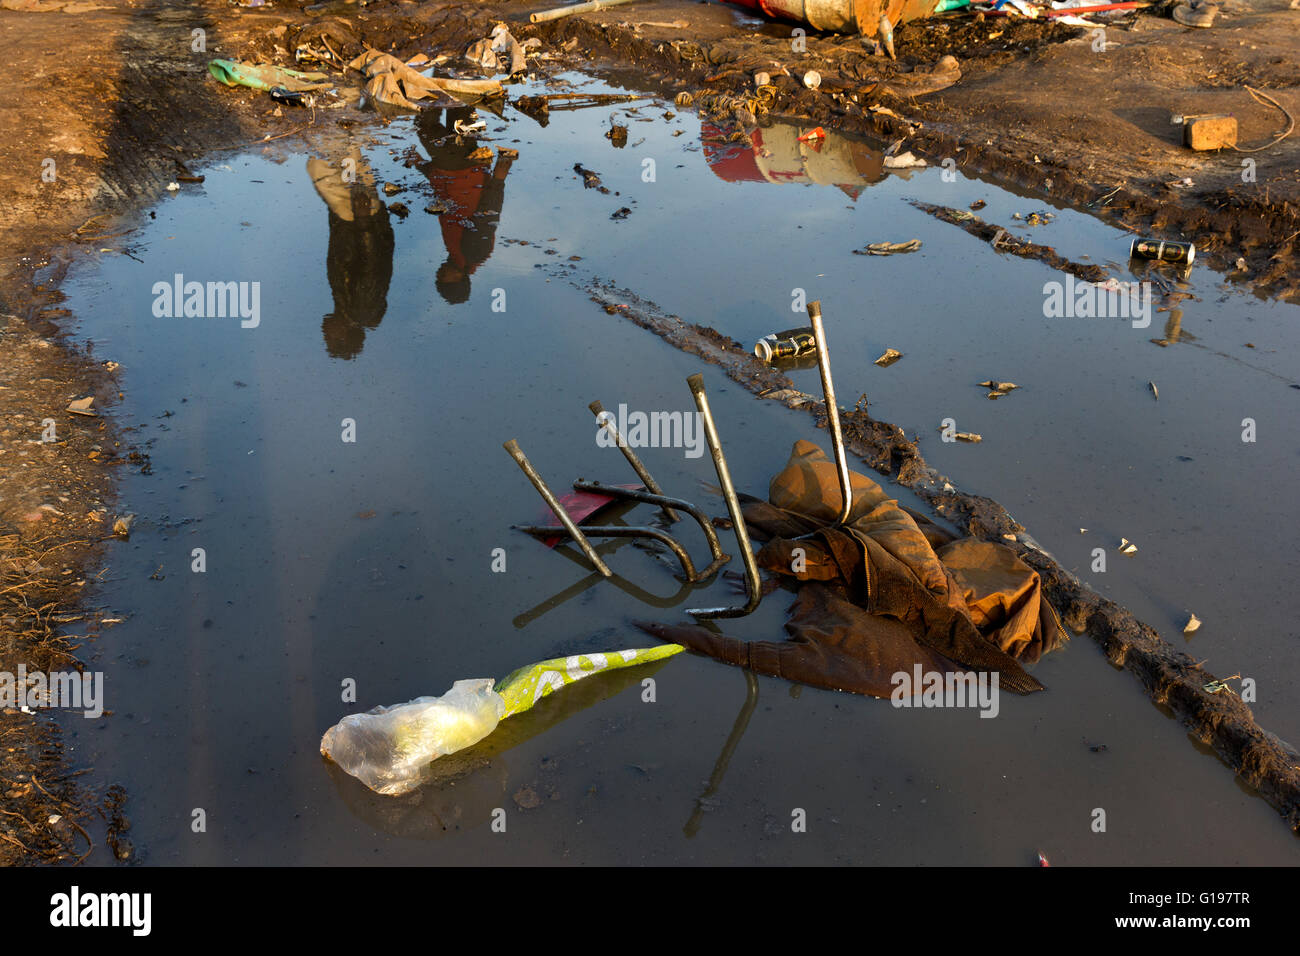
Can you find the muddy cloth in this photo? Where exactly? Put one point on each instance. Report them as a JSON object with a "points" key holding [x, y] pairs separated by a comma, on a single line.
{"points": [[887, 591]]}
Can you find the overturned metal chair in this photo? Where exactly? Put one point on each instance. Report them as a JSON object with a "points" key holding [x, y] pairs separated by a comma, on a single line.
{"points": [[653, 493]]}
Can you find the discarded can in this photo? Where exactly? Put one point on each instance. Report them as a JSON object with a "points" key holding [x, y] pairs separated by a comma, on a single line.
{"points": [[1163, 250], [281, 95], [790, 344]]}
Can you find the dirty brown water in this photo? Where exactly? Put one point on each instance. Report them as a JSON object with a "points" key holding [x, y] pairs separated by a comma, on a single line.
{"points": [[222, 682]]}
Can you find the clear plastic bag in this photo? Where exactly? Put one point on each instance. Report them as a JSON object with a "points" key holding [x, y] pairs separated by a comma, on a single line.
{"points": [[389, 748]]}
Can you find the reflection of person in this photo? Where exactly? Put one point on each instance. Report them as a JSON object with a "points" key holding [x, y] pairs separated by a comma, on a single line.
{"points": [[471, 194], [359, 260]]}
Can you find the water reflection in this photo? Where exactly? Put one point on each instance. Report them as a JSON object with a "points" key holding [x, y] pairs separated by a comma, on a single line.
{"points": [[784, 153], [359, 260], [469, 193], [603, 548]]}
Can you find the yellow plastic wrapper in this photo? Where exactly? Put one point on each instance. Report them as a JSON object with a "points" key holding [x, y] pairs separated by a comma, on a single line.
{"points": [[388, 748], [526, 686]]}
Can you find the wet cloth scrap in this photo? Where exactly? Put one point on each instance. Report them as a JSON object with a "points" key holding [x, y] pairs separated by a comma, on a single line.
{"points": [[888, 590], [389, 80]]}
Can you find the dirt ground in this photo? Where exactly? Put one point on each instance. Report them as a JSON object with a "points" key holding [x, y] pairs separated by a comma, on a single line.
{"points": [[110, 102]]}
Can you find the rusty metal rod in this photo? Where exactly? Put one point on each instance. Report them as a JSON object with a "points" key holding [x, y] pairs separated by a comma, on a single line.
{"points": [[512, 446], [589, 7], [753, 586], [606, 419], [832, 412], [715, 546], [624, 531]]}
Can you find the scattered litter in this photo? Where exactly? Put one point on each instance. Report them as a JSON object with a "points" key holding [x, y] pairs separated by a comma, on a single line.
{"points": [[889, 248], [622, 213], [978, 204], [1127, 547], [173, 187], [498, 52], [1154, 391], [1193, 625], [123, 524], [812, 79], [1042, 859], [82, 407], [266, 77], [998, 389], [903, 161], [790, 397], [790, 344], [971, 437], [813, 135], [391, 81], [617, 135], [889, 358], [281, 95], [1219, 686], [1162, 250], [1024, 249], [1037, 218], [590, 178], [469, 127]]}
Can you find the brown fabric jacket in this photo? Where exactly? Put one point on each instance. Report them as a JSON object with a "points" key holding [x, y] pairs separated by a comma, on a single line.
{"points": [[886, 591]]}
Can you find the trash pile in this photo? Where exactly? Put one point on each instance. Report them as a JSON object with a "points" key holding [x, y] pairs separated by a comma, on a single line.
{"points": [[875, 22], [386, 80], [881, 589]]}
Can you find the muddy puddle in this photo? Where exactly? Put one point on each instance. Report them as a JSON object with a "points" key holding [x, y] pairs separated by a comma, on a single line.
{"points": [[430, 338]]}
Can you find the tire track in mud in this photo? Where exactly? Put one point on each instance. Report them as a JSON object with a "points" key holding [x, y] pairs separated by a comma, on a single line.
{"points": [[1172, 679]]}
